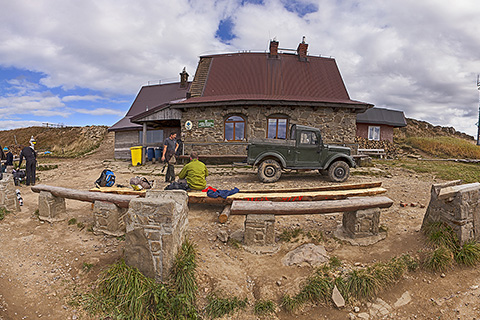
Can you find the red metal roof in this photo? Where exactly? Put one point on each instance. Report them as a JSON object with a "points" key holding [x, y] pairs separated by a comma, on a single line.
{"points": [[261, 77], [148, 98]]}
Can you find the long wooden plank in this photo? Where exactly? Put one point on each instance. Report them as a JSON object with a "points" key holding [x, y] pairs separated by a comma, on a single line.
{"points": [[309, 207], [82, 195], [320, 188], [201, 197]]}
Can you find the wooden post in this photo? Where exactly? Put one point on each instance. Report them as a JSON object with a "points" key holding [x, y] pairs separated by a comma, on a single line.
{"points": [[144, 142]]}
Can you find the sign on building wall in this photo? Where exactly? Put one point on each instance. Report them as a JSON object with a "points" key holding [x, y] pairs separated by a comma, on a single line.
{"points": [[205, 123]]}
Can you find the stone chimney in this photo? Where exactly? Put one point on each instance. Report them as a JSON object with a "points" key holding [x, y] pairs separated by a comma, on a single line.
{"points": [[302, 50], [183, 78], [273, 48]]}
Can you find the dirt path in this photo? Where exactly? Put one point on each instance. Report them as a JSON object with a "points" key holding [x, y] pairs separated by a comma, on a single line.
{"points": [[43, 267]]}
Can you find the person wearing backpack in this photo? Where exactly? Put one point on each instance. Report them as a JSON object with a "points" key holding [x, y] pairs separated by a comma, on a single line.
{"points": [[170, 147], [30, 156]]}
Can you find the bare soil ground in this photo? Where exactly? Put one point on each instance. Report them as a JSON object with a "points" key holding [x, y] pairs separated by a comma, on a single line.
{"points": [[42, 265]]}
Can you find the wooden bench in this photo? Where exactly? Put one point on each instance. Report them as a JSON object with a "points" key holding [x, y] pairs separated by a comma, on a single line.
{"points": [[108, 211], [372, 152], [361, 215]]}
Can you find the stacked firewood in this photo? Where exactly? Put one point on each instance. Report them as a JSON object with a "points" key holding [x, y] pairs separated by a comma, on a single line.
{"points": [[391, 151]]}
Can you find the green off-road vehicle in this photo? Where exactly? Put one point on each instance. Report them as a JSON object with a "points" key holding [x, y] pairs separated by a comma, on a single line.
{"points": [[304, 150]]}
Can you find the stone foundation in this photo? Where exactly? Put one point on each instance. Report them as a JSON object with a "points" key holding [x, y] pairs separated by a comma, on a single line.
{"points": [[51, 208], [361, 223], [109, 219], [8, 197], [156, 227], [458, 206], [259, 230]]}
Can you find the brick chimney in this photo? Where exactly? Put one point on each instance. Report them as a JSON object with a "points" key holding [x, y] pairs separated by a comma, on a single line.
{"points": [[302, 50], [183, 78], [273, 48]]}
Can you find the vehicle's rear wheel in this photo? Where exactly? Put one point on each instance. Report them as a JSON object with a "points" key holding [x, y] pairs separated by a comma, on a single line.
{"points": [[269, 171], [339, 171]]}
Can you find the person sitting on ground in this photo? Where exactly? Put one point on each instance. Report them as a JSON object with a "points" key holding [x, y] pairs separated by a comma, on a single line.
{"points": [[195, 172]]}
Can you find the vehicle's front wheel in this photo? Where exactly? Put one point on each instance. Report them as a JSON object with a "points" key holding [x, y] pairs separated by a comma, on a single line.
{"points": [[269, 171], [339, 171]]}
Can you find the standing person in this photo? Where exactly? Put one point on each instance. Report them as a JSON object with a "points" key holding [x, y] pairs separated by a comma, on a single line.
{"points": [[170, 147], [31, 161], [9, 157], [195, 172]]}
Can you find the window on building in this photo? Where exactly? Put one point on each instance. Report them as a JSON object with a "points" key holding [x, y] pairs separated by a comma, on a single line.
{"points": [[308, 137], [234, 128], [374, 133], [153, 136], [277, 128]]}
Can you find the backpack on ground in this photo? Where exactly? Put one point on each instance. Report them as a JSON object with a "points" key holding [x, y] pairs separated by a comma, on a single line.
{"points": [[140, 183], [107, 179]]}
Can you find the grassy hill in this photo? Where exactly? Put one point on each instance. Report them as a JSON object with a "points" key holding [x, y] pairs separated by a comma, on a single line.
{"points": [[62, 142]]}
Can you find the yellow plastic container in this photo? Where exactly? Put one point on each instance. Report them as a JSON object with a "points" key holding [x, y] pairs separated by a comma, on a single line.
{"points": [[136, 155]]}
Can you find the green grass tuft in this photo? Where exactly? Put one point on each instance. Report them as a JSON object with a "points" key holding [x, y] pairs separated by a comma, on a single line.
{"points": [[72, 221], [468, 254], [264, 307], [440, 259], [3, 213], [123, 292], [440, 234], [218, 307], [288, 235]]}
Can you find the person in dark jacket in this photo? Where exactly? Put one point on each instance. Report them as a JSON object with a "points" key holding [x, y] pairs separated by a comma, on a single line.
{"points": [[9, 156], [31, 162], [170, 146]]}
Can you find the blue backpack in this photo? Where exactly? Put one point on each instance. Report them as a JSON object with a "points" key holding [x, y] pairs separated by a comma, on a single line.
{"points": [[107, 179]]}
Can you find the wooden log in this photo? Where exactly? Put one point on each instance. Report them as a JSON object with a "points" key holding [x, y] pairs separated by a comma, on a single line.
{"points": [[319, 188], [223, 217], [310, 207], [201, 197], [118, 199]]}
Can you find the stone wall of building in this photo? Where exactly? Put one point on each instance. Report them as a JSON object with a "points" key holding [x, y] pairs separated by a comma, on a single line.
{"points": [[156, 227], [338, 125]]}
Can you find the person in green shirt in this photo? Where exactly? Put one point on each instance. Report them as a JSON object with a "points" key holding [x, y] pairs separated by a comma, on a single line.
{"points": [[195, 172]]}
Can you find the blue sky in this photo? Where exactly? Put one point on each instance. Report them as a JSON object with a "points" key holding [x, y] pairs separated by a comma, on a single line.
{"points": [[83, 62]]}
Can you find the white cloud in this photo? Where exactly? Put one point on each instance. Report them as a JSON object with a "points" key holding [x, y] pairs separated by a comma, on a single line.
{"points": [[100, 111], [420, 57], [12, 124], [82, 98]]}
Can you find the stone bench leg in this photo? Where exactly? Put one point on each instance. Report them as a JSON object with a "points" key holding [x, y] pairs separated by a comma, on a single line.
{"points": [[156, 227], [51, 208], [259, 230], [109, 219], [8, 197], [361, 223]]}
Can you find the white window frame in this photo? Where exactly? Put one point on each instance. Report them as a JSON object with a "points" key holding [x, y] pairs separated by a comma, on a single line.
{"points": [[374, 133]]}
